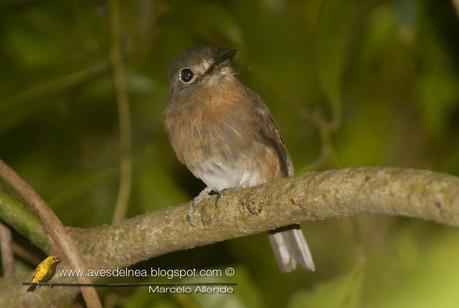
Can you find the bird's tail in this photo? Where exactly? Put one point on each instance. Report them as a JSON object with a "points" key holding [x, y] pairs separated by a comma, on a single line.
{"points": [[290, 248], [32, 287]]}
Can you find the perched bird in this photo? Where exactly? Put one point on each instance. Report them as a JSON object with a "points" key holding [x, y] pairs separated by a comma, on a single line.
{"points": [[224, 134], [44, 271]]}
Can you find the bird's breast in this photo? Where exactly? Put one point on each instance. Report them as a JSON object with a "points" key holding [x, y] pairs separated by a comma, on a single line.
{"points": [[219, 141]]}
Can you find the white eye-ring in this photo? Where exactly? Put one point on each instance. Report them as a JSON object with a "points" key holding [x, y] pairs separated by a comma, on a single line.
{"points": [[186, 75]]}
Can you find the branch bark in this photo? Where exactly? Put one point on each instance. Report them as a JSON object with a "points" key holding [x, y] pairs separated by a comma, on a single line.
{"points": [[312, 196], [6, 251], [53, 227]]}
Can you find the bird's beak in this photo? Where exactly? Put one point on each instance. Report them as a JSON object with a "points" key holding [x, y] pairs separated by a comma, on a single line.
{"points": [[225, 55]]}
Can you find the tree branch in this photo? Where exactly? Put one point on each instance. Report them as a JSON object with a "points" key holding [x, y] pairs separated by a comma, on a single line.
{"points": [[53, 227], [17, 215], [312, 196], [124, 115], [6, 251]]}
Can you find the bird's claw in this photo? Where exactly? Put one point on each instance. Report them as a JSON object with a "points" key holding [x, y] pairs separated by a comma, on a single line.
{"points": [[204, 193], [221, 194], [189, 215]]}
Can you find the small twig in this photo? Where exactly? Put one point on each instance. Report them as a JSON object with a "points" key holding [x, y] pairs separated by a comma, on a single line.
{"points": [[29, 96], [52, 226], [119, 80], [325, 130], [456, 6], [25, 254], [23, 220], [7, 253]]}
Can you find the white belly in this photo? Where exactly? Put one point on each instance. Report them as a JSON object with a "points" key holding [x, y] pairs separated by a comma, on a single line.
{"points": [[220, 177]]}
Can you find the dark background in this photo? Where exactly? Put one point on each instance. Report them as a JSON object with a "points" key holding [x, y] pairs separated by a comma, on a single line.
{"points": [[350, 83]]}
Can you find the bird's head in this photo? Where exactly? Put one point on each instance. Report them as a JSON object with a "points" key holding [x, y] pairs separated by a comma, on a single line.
{"points": [[201, 67], [53, 259]]}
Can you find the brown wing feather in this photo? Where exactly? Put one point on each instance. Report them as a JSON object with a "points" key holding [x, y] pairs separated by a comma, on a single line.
{"points": [[271, 133]]}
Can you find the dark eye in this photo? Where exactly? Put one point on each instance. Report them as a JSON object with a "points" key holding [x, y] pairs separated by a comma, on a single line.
{"points": [[186, 75]]}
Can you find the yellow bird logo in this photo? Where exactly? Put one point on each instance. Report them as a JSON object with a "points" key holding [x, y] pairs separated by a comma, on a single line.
{"points": [[44, 271]]}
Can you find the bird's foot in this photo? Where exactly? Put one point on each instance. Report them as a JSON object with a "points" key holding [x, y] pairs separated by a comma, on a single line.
{"points": [[204, 193], [221, 194]]}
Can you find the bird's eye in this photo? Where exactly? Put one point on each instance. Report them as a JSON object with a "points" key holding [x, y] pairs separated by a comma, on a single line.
{"points": [[186, 75]]}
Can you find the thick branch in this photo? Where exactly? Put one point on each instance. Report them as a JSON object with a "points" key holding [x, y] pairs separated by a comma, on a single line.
{"points": [[312, 196], [309, 197]]}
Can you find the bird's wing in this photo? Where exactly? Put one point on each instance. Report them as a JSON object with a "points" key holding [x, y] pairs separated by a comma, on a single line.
{"points": [[50, 272], [38, 270], [34, 274], [271, 133]]}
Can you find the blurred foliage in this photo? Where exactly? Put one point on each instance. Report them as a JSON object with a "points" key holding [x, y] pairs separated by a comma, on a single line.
{"points": [[349, 83]]}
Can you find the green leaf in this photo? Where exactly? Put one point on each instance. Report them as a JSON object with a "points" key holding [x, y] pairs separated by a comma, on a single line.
{"points": [[342, 292], [332, 38]]}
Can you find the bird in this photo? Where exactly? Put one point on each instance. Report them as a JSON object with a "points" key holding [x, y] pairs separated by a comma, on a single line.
{"points": [[224, 133], [44, 272]]}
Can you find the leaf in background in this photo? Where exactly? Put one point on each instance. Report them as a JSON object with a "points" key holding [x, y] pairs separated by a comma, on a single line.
{"points": [[342, 292], [141, 298], [216, 18], [333, 35], [421, 270], [437, 85], [438, 88], [365, 138], [30, 100], [154, 184], [211, 22], [245, 294]]}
